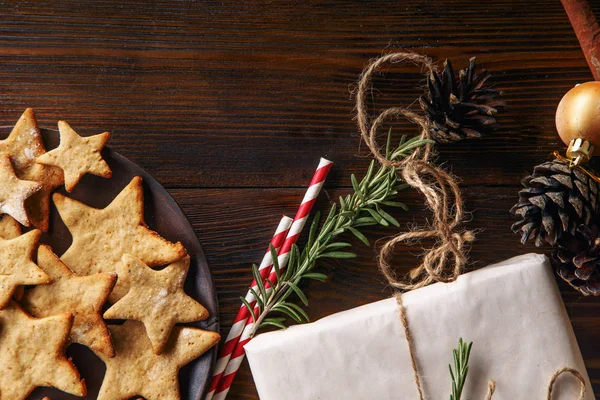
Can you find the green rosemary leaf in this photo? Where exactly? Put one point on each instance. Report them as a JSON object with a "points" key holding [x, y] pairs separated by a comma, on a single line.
{"points": [[365, 221], [387, 216], [259, 281], [337, 245], [329, 221], [258, 298], [338, 232], [357, 188], [299, 292], [369, 174], [342, 202], [284, 309], [299, 310], [276, 322], [337, 254], [316, 276], [397, 204], [270, 282], [250, 309], [275, 262], [274, 257], [359, 236], [331, 212], [377, 217], [292, 263], [313, 230]]}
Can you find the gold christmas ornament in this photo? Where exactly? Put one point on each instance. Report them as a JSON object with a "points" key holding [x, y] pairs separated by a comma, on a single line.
{"points": [[578, 121]]}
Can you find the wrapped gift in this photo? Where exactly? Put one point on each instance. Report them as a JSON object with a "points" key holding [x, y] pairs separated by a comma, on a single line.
{"points": [[512, 311]]}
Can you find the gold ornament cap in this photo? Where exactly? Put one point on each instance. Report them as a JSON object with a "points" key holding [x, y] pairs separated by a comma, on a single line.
{"points": [[579, 152]]}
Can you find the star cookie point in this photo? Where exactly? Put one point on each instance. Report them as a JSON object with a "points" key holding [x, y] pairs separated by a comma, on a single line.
{"points": [[9, 227]]}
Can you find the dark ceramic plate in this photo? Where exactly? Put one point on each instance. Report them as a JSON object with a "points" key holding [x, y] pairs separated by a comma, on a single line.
{"points": [[162, 215]]}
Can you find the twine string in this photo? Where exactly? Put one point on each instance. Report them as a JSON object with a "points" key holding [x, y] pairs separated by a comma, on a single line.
{"points": [[446, 260], [571, 371]]}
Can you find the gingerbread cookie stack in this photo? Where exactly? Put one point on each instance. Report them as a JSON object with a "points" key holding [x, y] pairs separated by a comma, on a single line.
{"points": [[48, 302]]}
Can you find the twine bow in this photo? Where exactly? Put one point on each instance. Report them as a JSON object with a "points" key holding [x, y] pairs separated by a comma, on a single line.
{"points": [[445, 261]]}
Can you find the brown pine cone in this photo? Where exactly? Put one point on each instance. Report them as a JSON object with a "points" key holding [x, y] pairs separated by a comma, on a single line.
{"points": [[577, 260], [460, 108], [554, 202]]}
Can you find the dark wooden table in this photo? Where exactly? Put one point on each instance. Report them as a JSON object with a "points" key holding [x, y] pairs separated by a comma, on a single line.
{"points": [[230, 105]]}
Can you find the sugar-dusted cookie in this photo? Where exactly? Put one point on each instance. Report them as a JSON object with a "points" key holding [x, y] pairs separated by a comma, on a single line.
{"points": [[16, 265], [102, 237], [32, 354], [82, 296], [14, 192], [156, 298], [137, 371], [9, 227], [23, 146], [77, 155]]}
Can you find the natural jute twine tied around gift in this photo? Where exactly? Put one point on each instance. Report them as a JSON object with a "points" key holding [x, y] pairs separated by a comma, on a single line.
{"points": [[445, 261]]}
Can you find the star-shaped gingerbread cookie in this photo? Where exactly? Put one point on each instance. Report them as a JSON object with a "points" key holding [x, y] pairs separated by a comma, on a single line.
{"points": [[82, 296], [32, 354], [16, 265], [137, 371], [156, 298], [14, 192], [77, 155], [23, 146], [102, 236]]}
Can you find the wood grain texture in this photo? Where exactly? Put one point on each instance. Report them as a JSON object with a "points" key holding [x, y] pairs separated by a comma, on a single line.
{"points": [[230, 104]]}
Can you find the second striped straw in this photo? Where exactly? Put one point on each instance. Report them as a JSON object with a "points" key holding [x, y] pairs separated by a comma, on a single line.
{"points": [[294, 233]]}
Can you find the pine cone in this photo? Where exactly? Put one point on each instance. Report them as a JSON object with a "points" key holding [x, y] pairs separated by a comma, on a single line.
{"points": [[577, 260], [556, 200], [463, 110]]}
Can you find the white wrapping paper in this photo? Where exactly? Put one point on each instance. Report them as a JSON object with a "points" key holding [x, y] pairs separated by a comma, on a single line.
{"points": [[512, 311]]}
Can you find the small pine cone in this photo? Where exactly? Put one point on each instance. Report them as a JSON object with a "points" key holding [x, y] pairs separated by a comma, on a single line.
{"points": [[577, 261], [460, 110], [556, 200]]}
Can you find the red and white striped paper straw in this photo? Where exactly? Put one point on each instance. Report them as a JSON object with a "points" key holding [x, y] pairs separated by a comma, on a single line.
{"points": [[294, 233], [243, 314]]}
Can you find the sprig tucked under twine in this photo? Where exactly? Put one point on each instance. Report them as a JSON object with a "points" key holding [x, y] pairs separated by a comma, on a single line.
{"points": [[446, 260]]}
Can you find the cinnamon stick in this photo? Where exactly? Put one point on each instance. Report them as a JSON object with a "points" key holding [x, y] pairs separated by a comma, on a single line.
{"points": [[587, 30]]}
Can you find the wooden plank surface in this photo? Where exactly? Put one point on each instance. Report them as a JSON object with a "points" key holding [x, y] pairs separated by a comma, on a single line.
{"points": [[230, 104]]}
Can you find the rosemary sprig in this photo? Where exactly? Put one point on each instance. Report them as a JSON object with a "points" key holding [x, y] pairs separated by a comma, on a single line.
{"points": [[361, 208], [461, 368]]}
